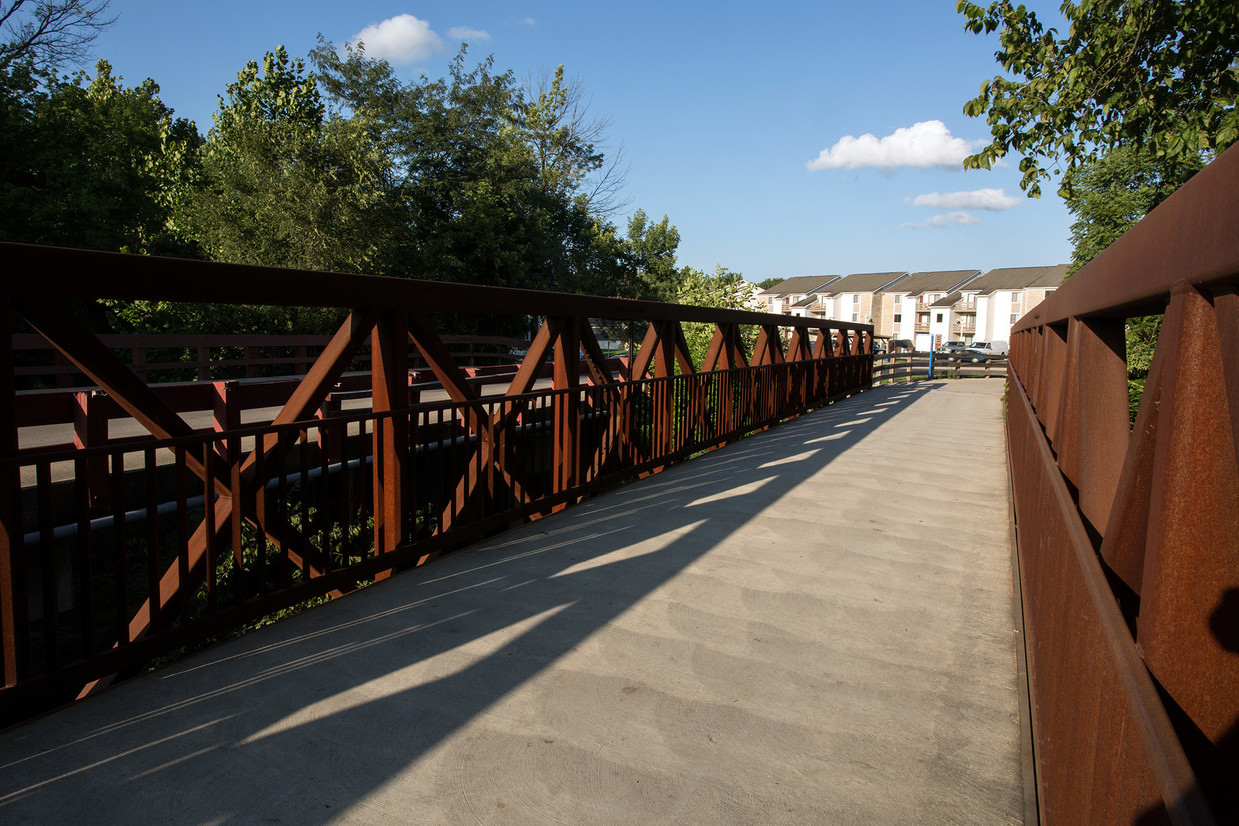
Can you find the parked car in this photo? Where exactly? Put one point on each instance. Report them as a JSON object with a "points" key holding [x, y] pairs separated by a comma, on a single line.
{"points": [[901, 345], [879, 348], [973, 355], [992, 348], [950, 350]]}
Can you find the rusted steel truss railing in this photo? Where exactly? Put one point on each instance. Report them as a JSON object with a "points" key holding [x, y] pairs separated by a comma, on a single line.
{"points": [[1128, 537], [199, 532]]}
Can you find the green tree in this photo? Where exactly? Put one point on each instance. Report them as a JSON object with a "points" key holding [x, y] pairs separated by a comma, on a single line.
{"points": [[95, 166], [566, 141], [1115, 191], [488, 182], [724, 289], [1154, 73], [652, 249], [284, 185], [770, 282]]}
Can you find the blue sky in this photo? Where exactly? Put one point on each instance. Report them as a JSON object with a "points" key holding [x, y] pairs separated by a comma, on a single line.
{"points": [[782, 139]]}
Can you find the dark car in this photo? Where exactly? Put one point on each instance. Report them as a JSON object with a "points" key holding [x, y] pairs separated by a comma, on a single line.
{"points": [[901, 345], [973, 356]]}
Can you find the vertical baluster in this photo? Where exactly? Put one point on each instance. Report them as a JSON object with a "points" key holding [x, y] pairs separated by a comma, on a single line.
{"points": [[84, 560], [153, 564], [120, 550], [49, 569]]}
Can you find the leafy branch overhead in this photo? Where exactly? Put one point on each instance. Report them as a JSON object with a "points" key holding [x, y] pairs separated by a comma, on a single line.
{"points": [[1158, 74]]}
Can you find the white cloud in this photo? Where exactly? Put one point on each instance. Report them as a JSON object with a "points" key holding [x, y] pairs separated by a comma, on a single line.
{"points": [[400, 40], [940, 221], [994, 199], [928, 143], [466, 34]]}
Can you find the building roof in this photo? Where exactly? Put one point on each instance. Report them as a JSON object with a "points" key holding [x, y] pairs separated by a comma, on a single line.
{"points": [[865, 282], [1019, 278], [941, 281], [801, 284], [949, 300], [806, 301]]}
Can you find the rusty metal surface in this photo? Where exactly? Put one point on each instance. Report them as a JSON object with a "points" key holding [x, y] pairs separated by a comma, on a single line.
{"points": [[1129, 540], [156, 543]]}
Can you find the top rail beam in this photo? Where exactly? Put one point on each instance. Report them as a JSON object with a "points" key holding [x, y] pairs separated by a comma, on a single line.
{"points": [[34, 270], [1191, 237]]}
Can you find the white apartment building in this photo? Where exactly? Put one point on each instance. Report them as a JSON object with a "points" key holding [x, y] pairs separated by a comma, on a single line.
{"points": [[1003, 295], [916, 314], [926, 308]]}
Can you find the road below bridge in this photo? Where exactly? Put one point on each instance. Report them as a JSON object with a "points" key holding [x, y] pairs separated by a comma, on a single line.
{"points": [[813, 625]]}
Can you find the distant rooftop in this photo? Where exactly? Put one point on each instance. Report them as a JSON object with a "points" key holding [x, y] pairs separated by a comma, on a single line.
{"points": [[1019, 278], [801, 284], [865, 282], [940, 281]]}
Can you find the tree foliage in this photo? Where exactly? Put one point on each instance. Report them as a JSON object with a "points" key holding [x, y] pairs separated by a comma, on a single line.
{"points": [[1114, 191], [471, 177], [724, 290], [1154, 73], [283, 185], [566, 141], [93, 165], [652, 249]]}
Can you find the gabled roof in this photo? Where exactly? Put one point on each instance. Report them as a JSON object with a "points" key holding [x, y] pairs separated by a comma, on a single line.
{"points": [[941, 281], [807, 301], [947, 301], [865, 282], [1019, 278], [801, 284]]}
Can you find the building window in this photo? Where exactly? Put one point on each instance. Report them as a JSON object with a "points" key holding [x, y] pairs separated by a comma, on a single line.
{"points": [[1015, 317], [898, 318], [1015, 299], [856, 300], [856, 316], [939, 318]]}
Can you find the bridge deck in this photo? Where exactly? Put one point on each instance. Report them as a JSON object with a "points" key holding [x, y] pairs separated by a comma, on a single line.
{"points": [[811, 626]]}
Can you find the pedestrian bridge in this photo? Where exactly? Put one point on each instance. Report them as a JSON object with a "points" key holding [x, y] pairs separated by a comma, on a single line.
{"points": [[750, 583], [812, 625]]}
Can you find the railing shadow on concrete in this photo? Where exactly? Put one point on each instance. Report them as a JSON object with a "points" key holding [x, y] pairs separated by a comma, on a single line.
{"points": [[193, 534], [1129, 535], [544, 589]]}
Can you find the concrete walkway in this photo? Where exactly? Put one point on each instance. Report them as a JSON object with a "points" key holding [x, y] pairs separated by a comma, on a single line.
{"points": [[811, 626]]}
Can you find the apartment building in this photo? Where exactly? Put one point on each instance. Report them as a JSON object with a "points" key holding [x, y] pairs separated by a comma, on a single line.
{"points": [[857, 297], [788, 297], [1003, 295], [926, 308], [915, 314]]}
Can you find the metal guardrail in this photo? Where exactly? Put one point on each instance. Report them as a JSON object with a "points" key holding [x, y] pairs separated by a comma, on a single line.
{"points": [[200, 533], [1128, 537]]}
